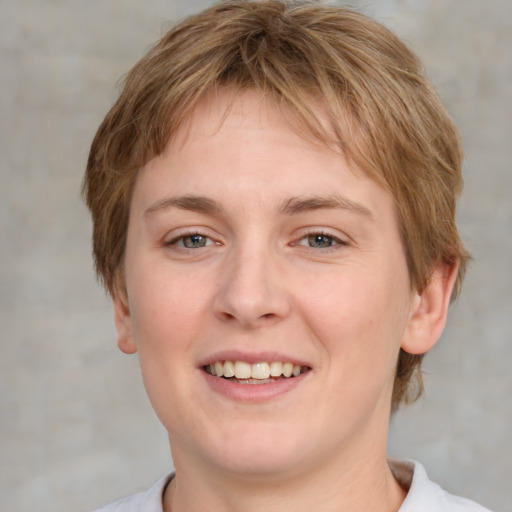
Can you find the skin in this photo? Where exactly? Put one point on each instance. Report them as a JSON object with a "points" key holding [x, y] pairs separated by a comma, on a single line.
{"points": [[296, 256]]}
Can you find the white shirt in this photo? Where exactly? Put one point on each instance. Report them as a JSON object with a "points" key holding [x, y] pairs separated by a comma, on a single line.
{"points": [[423, 495], [426, 496]]}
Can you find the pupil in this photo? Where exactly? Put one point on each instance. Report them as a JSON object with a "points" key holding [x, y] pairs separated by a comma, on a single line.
{"points": [[320, 241], [194, 241]]}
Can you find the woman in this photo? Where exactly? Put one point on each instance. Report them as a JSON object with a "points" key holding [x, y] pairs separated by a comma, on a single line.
{"points": [[273, 197]]}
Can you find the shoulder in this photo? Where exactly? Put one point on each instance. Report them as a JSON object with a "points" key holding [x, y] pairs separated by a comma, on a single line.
{"points": [[148, 501], [425, 495]]}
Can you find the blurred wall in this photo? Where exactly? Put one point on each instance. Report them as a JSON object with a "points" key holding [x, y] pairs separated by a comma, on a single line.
{"points": [[76, 430]]}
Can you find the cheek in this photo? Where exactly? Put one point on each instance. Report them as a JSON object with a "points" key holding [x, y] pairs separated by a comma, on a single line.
{"points": [[165, 301], [357, 316], [166, 326]]}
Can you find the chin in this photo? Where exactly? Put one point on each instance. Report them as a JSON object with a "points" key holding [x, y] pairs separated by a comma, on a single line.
{"points": [[261, 466], [262, 452]]}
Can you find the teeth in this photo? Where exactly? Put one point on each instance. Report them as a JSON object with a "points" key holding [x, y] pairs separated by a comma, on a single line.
{"points": [[287, 369], [276, 369], [229, 369], [242, 370], [259, 371], [219, 369]]}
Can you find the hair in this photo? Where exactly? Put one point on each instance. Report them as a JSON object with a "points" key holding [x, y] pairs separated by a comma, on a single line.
{"points": [[317, 61]]}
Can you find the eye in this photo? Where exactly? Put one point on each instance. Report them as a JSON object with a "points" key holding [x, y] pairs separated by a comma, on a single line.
{"points": [[320, 241], [192, 241]]}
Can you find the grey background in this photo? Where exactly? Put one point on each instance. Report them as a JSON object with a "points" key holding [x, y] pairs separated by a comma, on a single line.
{"points": [[76, 429]]}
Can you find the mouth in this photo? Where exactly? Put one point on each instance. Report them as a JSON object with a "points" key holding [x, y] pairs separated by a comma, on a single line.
{"points": [[263, 372]]}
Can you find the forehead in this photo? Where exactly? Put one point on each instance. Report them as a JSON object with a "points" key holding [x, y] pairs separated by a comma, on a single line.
{"points": [[244, 131], [242, 145], [250, 109]]}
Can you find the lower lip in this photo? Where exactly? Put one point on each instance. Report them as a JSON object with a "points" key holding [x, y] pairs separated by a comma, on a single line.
{"points": [[253, 392]]}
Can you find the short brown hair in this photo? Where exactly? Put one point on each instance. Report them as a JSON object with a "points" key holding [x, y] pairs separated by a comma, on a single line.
{"points": [[383, 114]]}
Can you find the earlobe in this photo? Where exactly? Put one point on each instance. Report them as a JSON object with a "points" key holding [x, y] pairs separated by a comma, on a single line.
{"points": [[430, 310], [123, 323]]}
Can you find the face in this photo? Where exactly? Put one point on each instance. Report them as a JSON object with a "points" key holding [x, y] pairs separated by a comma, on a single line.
{"points": [[255, 252]]}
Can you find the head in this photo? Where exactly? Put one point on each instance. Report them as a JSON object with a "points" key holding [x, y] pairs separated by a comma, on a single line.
{"points": [[349, 82]]}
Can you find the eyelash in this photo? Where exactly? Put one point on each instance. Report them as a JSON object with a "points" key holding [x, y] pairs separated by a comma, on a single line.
{"points": [[179, 241], [305, 240]]}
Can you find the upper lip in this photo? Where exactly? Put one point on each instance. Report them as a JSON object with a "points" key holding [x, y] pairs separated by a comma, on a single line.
{"points": [[251, 358]]}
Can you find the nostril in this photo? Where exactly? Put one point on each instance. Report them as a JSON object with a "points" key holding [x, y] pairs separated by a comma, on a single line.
{"points": [[249, 302]]}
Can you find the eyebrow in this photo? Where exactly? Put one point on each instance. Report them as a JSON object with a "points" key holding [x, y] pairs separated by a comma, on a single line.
{"points": [[193, 203], [292, 206], [297, 205]]}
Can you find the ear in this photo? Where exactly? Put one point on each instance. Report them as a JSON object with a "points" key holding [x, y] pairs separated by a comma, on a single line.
{"points": [[123, 321], [430, 310]]}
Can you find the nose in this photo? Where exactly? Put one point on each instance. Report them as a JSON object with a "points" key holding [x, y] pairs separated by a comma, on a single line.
{"points": [[252, 291]]}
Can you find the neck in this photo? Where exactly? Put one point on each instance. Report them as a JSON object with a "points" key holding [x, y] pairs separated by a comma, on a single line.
{"points": [[367, 485]]}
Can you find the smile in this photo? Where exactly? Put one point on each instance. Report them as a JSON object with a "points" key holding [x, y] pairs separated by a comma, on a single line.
{"points": [[257, 373]]}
